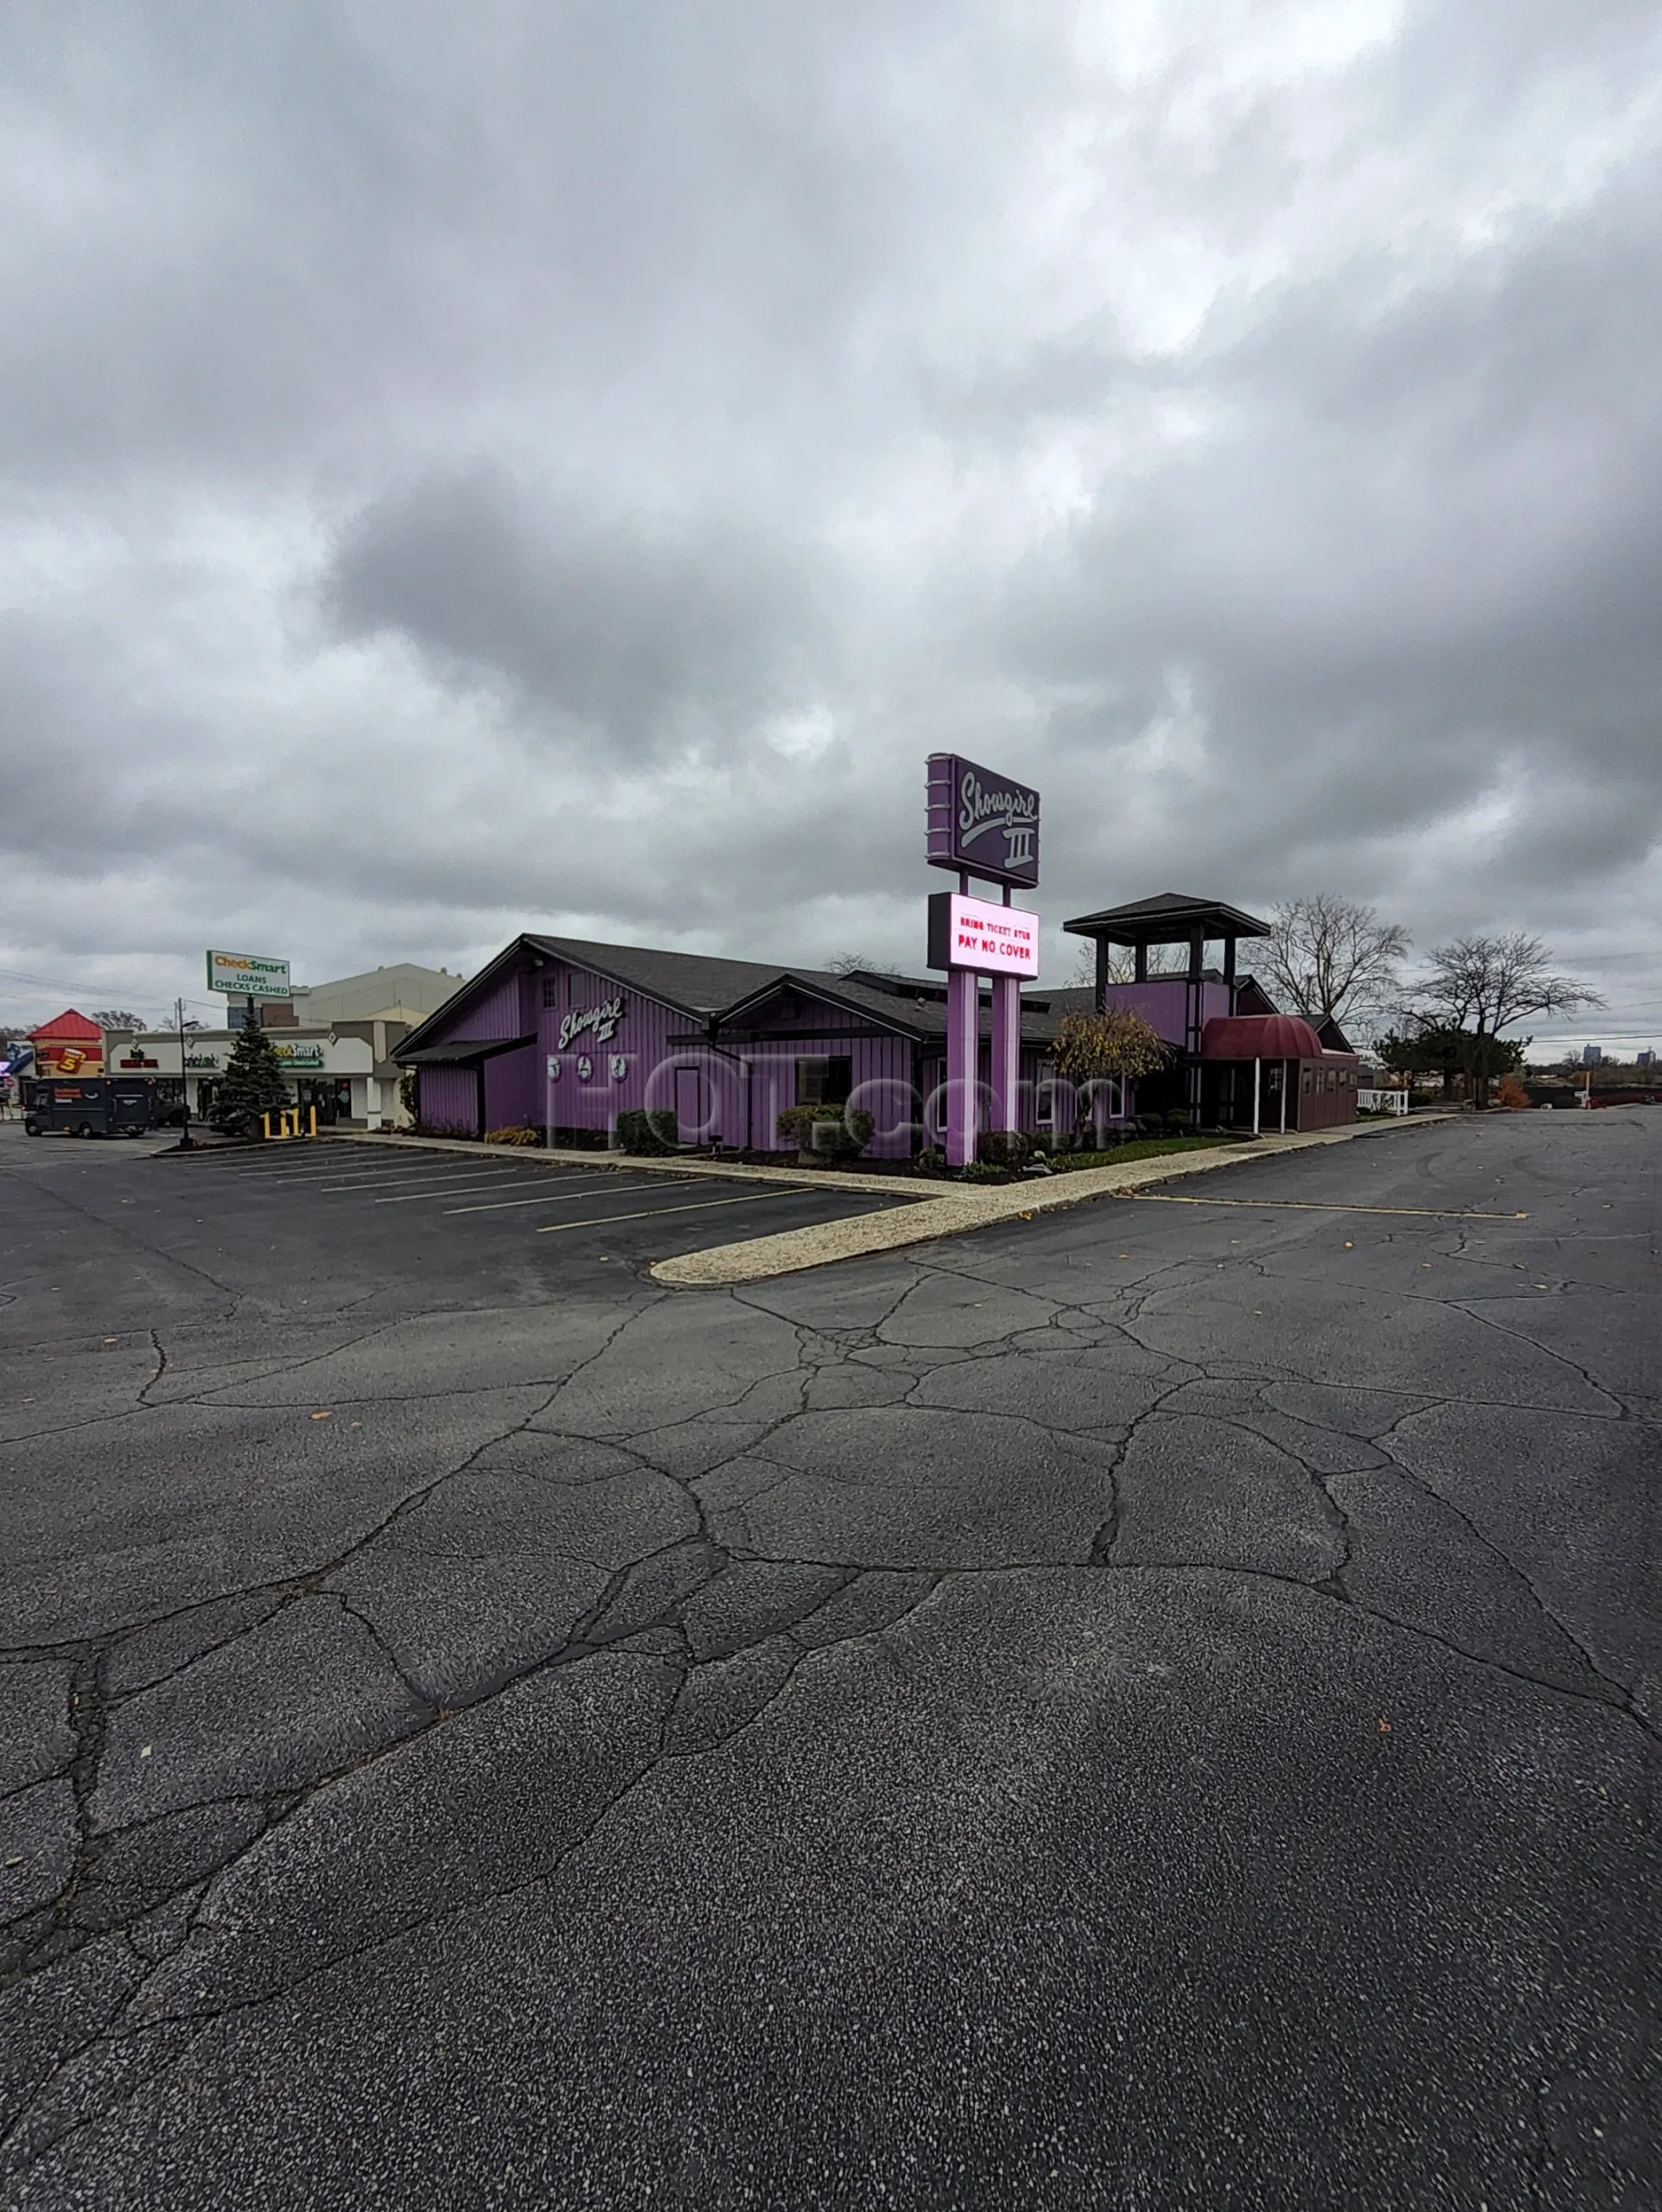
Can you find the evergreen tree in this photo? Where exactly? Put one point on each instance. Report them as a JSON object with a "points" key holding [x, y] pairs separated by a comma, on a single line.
{"points": [[253, 1081]]}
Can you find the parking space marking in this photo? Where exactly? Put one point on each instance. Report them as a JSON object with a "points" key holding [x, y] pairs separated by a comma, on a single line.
{"points": [[1319, 1206], [315, 1171], [406, 1175], [337, 1177], [493, 1182], [647, 1213], [500, 1206]]}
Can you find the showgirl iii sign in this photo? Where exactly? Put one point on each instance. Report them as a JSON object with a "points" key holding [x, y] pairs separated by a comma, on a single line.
{"points": [[602, 1020], [982, 822]]}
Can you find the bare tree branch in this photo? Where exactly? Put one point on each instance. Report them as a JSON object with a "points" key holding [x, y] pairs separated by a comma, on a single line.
{"points": [[1486, 983], [857, 963], [1329, 956]]}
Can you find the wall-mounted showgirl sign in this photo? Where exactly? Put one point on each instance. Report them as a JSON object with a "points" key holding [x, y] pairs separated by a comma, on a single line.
{"points": [[981, 822]]}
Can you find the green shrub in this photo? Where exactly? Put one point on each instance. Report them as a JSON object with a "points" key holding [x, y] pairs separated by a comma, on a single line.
{"points": [[646, 1134], [983, 1170], [932, 1161], [827, 1133], [1177, 1123], [1007, 1148]]}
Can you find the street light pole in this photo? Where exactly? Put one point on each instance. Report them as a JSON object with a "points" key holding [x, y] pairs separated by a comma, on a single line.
{"points": [[184, 1084]]}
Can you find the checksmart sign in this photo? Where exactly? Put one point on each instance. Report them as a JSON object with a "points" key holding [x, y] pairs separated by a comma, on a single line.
{"points": [[248, 976]]}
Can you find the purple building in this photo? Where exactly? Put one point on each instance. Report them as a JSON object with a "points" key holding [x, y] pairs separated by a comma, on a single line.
{"points": [[1236, 1062], [561, 1034]]}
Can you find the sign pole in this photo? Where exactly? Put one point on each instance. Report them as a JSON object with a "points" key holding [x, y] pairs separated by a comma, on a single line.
{"points": [[1006, 1069], [963, 1058], [985, 825], [1006, 1049]]}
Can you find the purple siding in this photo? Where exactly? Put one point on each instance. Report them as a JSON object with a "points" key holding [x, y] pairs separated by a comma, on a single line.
{"points": [[450, 1100], [511, 1088], [498, 1015], [655, 1057], [1162, 1002], [636, 1065]]}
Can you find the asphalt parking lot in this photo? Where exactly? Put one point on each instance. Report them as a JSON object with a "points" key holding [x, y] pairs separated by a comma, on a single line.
{"points": [[1153, 1706], [387, 1213]]}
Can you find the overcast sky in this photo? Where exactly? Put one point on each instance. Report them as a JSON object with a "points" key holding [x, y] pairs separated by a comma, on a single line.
{"points": [[531, 465]]}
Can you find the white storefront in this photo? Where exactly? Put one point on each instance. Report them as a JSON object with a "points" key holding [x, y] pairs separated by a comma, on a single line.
{"points": [[337, 1074]]}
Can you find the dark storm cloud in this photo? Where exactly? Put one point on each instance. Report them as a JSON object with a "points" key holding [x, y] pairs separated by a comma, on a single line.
{"points": [[1415, 552], [471, 468], [645, 635]]}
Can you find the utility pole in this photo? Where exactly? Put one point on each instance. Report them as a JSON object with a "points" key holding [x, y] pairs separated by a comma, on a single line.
{"points": [[184, 1084]]}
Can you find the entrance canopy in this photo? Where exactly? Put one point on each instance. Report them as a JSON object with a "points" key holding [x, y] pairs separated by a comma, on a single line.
{"points": [[1260, 1037]]}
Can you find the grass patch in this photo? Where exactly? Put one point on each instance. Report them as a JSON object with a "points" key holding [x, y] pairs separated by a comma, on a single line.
{"points": [[1138, 1148]]}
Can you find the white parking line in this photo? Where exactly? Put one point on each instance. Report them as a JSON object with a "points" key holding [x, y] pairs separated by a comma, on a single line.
{"points": [[343, 1179], [646, 1213], [499, 1205], [493, 1183], [314, 1172]]}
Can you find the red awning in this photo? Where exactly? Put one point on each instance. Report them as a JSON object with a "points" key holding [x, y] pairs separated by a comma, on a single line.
{"points": [[72, 1026], [1259, 1037]]}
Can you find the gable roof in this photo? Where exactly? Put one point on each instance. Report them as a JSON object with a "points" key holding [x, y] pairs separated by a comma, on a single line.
{"points": [[72, 1025], [923, 1019], [706, 988], [695, 983]]}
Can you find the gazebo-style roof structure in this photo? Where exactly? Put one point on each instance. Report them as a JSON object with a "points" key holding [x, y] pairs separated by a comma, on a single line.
{"points": [[1170, 917]]}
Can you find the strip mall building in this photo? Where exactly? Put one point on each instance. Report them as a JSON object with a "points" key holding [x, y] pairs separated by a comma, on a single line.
{"points": [[564, 1034]]}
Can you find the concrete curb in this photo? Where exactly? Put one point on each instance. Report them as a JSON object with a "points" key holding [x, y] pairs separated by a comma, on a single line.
{"points": [[791, 1250]]}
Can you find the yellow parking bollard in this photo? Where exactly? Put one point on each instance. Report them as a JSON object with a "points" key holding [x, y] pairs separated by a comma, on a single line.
{"points": [[265, 1124], [313, 1131]]}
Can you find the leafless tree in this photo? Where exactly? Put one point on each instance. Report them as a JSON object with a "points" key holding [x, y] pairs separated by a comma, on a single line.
{"points": [[1328, 956], [118, 1017], [857, 963], [1484, 984], [1163, 960]]}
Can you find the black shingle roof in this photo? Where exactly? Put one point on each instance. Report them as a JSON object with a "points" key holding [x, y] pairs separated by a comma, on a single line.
{"points": [[698, 982], [1165, 918], [701, 987]]}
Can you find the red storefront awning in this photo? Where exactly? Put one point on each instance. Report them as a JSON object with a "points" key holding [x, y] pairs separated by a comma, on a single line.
{"points": [[1259, 1037]]}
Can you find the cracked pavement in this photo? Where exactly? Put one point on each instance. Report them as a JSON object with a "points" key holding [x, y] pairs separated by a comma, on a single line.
{"points": [[1157, 1707]]}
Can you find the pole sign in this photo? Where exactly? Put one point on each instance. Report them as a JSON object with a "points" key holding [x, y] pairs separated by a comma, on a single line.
{"points": [[246, 975], [983, 823], [979, 933]]}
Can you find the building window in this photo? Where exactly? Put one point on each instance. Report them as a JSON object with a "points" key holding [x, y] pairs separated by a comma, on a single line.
{"points": [[551, 988], [824, 1082]]}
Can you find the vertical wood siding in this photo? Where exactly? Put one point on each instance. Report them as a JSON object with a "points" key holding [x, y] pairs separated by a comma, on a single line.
{"points": [[743, 1087], [449, 1101]]}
